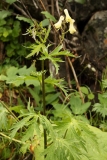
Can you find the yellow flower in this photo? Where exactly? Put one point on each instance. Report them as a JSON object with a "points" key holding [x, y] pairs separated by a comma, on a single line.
{"points": [[71, 21], [59, 23], [68, 18], [71, 27]]}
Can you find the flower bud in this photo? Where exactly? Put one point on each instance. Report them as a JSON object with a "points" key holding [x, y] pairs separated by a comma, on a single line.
{"points": [[93, 69]]}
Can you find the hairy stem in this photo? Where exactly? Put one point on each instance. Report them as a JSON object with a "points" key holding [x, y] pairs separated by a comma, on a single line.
{"points": [[44, 105]]}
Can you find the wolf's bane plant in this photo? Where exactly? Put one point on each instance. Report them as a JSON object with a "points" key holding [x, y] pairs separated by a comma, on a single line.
{"points": [[40, 35], [64, 138]]}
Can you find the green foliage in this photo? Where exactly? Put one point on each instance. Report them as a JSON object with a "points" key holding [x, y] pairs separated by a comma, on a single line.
{"points": [[20, 76], [10, 30], [4, 14], [62, 136], [104, 83], [52, 123], [28, 20], [11, 1], [77, 106], [36, 49], [69, 129], [3, 117]]}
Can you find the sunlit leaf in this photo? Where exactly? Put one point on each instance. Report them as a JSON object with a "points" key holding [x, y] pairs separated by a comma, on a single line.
{"points": [[19, 125], [77, 106], [49, 16], [4, 14], [24, 71], [91, 96], [30, 80], [45, 22], [84, 90], [11, 1], [28, 20]]}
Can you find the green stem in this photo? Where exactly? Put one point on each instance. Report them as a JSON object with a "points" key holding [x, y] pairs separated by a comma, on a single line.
{"points": [[65, 133], [43, 89], [44, 105], [10, 92], [13, 139], [9, 110]]}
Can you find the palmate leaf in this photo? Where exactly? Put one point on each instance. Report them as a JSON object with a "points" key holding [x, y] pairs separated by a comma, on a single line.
{"points": [[50, 98], [24, 71], [29, 133], [20, 125], [78, 133], [52, 54], [54, 60], [101, 153], [34, 129], [56, 82], [36, 49], [102, 98], [62, 149], [101, 107], [56, 50], [12, 71], [104, 83], [19, 76], [30, 80], [33, 136], [70, 123], [47, 125], [55, 56], [17, 80], [62, 53]]}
